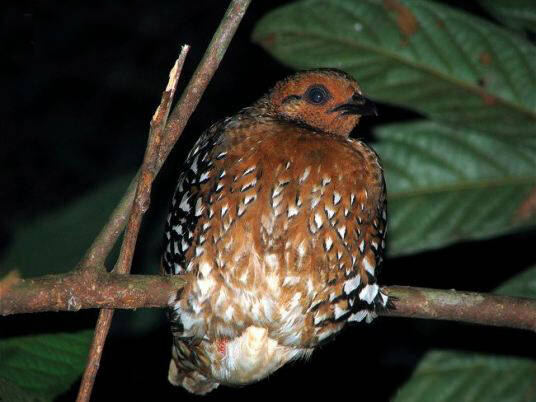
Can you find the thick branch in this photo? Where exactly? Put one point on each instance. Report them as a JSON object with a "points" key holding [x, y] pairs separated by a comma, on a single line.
{"points": [[86, 289], [83, 290], [473, 307]]}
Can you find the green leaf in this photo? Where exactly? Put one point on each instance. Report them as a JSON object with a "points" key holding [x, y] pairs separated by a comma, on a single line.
{"points": [[12, 393], [446, 185], [517, 14], [442, 62], [55, 242], [444, 376], [521, 285], [44, 366]]}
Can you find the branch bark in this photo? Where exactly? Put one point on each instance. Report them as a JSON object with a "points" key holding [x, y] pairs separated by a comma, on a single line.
{"points": [[471, 307], [84, 289], [96, 289], [139, 207]]}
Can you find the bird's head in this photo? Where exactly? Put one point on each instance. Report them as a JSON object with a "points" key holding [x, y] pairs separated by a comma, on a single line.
{"points": [[326, 99]]}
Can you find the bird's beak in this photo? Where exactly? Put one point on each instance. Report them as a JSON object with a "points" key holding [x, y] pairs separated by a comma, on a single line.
{"points": [[357, 104]]}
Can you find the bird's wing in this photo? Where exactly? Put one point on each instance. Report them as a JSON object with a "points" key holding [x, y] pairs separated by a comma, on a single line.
{"points": [[184, 214]]}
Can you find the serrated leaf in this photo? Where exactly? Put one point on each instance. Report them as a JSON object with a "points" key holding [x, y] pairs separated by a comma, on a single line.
{"points": [[442, 62], [446, 185], [444, 376], [55, 242], [517, 14], [43, 365], [521, 285]]}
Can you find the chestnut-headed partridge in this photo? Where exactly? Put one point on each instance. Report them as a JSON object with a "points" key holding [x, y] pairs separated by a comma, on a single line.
{"points": [[277, 225]]}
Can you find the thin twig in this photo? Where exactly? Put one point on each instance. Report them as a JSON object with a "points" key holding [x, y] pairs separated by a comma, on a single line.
{"points": [[104, 242], [202, 76], [95, 351], [148, 168], [139, 207]]}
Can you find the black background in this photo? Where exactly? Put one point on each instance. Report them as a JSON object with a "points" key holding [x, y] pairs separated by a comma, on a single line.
{"points": [[83, 80]]}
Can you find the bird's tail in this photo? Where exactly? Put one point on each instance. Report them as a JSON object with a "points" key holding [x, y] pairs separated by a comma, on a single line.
{"points": [[183, 373]]}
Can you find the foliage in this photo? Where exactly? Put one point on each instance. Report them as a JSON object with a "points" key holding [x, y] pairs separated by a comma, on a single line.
{"points": [[441, 62], [45, 359], [445, 376], [449, 376], [516, 14], [523, 285], [450, 184], [59, 239], [41, 367], [472, 172]]}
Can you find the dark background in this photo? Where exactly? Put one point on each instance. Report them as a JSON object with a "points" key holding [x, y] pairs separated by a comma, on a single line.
{"points": [[83, 80]]}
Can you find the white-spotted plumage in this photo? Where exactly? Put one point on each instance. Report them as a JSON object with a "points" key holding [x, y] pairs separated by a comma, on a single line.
{"points": [[278, 228]]}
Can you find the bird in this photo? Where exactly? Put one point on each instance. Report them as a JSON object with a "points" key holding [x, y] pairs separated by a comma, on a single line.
{"points": [[277, 224]]}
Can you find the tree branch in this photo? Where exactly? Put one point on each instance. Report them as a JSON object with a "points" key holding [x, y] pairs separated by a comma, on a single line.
{"points": [[139, 207], [86, 289], [103, 244], [472, 307], [96, 289], [202, 76]]}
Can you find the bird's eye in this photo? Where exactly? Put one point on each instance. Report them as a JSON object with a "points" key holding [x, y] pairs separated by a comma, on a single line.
{"points": [[317, 95]]}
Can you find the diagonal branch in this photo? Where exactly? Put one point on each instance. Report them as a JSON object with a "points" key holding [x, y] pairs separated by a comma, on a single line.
{"points": [[102, 245], [104, 242], [148, 168], [202, 76], [139, 207]]}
